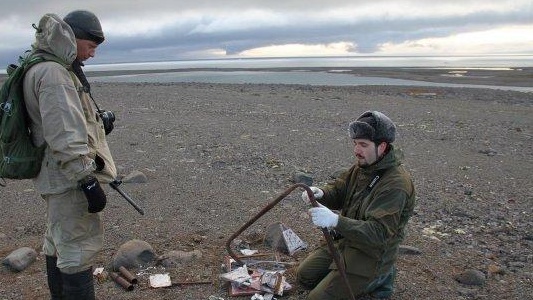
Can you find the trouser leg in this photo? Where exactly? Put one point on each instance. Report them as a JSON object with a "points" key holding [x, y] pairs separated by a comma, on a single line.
{"points": [[76, 237], [55, 283], [333, 287], [314, 268], [78, 286], [73, 234], [384, 285], [327, 284]]}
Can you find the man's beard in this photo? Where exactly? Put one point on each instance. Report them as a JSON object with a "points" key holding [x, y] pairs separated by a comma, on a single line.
{"points": [[362, 162]]}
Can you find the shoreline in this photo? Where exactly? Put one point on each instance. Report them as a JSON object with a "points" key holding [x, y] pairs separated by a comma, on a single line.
{"points": [[517, 77], [512, 77]]}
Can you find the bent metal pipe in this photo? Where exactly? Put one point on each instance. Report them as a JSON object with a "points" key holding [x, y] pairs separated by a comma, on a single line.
{"points": [[329, 240]]}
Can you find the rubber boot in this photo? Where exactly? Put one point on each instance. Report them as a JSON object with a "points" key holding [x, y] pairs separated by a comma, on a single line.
{"points": [[55, 282], [78, 286], [386, 287]]}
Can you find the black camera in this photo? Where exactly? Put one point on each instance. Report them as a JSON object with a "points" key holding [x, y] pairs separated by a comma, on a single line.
{"points": [[108, 117]]}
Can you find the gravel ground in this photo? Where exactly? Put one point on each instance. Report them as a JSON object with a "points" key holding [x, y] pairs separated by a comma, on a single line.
{"points": [[214, 155]]}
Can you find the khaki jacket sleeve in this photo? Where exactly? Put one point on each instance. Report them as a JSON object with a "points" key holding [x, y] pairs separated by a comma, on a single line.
{"points": [[64, 127]]}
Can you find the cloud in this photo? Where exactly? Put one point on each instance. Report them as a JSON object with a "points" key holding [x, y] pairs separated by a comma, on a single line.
{"points": [[163, 30], [517, 40]]}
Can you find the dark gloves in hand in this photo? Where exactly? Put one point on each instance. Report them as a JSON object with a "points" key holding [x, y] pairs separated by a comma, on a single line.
{"points": [[94, 193]]}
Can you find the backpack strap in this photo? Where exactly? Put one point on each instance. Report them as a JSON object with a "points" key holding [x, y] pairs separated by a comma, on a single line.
{"points": [[38, 56]]}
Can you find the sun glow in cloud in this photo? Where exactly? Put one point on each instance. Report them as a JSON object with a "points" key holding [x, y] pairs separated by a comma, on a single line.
{"points": [[333, 49], [512, 39]]}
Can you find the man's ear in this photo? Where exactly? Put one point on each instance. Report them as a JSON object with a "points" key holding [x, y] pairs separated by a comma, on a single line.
{"points": [[382, 147]]}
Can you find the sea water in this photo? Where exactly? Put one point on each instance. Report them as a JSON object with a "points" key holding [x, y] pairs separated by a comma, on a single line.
{"points": [[293, 77], [227, 70], [492, 61]]}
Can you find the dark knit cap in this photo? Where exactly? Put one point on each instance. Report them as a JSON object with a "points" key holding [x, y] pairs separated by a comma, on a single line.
{"points": [[373, 126], [85, 25]]}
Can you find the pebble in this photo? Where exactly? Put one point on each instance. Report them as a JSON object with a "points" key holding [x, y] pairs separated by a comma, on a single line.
{"points": [[175, 257], [135, 177], [301, 177], [466, 292], [409, 250], [471, 277]]}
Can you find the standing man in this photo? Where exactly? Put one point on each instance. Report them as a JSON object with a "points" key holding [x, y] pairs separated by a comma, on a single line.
{"points": [[375, 197], [77, 158]]}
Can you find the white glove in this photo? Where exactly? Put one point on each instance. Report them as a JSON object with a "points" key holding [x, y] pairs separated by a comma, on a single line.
{"points": [[323, 216], [318, 193]]}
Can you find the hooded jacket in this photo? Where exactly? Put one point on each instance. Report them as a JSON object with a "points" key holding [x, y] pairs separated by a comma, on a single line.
{"points": [[62, 114], [373, 226]]}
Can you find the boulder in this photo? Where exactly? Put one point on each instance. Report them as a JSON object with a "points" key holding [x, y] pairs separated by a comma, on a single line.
{"points": [[134, 254], [20, 259]]}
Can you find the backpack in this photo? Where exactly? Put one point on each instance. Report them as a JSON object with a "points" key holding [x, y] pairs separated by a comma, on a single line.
{"points": [[19, 157]]}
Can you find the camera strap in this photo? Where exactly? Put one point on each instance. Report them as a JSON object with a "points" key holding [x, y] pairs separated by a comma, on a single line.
{"points": [[377, 176], [76, 68]]}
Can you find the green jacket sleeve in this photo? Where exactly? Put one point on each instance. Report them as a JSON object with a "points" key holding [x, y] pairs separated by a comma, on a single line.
{"points": [[380, 222]]}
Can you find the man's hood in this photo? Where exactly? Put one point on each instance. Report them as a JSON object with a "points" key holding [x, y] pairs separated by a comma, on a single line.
{"points": [[56, 37]]}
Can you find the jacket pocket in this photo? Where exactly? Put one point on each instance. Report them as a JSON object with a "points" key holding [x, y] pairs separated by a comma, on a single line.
{"points": [[359, 263]]}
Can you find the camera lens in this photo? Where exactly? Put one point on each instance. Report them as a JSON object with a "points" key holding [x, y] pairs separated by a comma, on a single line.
{"points": [[108, 115]]}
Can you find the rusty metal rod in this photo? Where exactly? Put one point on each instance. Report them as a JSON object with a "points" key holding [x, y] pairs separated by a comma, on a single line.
{"points": [[329, 240], [121, 281], [256, 217], [127, 275]]}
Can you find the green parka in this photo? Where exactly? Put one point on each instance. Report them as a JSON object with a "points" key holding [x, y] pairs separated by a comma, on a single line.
{"points": [[373, 226]]}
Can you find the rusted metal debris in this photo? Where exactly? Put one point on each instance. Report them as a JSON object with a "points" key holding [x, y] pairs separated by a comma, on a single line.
{"points": [[121, 281], [329, 240], [127, 275]]}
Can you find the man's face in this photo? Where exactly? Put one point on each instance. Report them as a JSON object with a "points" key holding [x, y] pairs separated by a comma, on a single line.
{"points": [[365, 151], [86, 49]]}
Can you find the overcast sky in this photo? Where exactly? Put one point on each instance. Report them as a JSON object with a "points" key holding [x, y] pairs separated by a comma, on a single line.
{"points": [[158, 30]]}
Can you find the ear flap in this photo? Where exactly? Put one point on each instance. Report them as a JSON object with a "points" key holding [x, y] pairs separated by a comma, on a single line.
{"points": [[361, 130]]}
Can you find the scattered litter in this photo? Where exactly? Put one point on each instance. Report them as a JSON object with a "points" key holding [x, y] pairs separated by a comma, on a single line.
{"points": [[121, 281], [160, 280], [248, 252], [283, 239], [237, 289], [266, 296], [127, 275], [294, 243], [98, 271], [100, 274], [269, 296], [433, 233], [247, 281], [146, 271], [240, 276], [274, 282], [257, 296]]}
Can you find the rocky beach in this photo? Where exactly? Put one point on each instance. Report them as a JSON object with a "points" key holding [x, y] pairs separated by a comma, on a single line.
{"points": [[211, 156]]}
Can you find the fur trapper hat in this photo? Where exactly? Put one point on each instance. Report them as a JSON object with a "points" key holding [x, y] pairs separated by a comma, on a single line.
{"points": [[374, 126]]}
